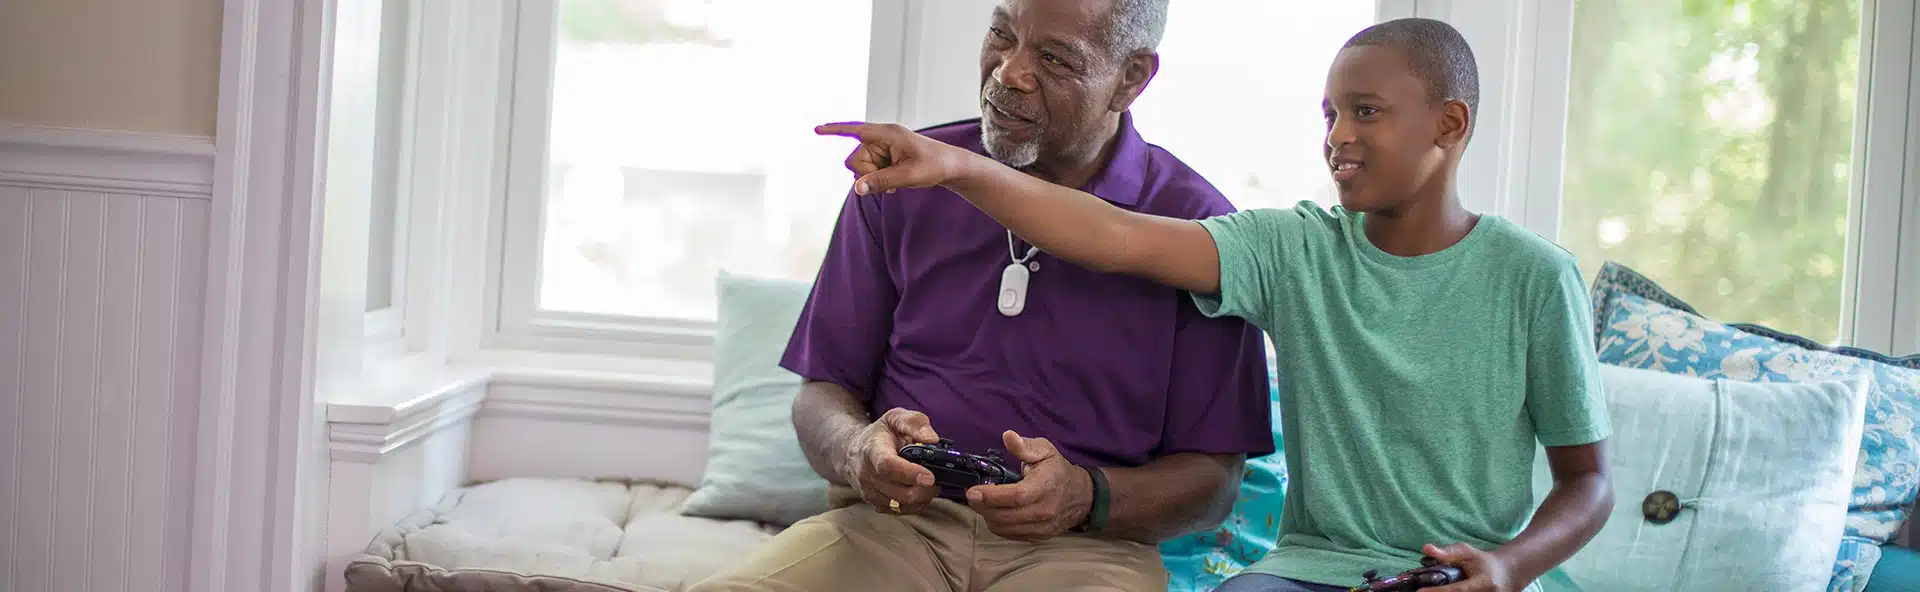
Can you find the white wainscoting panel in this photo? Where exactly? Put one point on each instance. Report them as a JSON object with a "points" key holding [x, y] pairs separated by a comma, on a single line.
{"points": [[551, 426], [100, 316]]}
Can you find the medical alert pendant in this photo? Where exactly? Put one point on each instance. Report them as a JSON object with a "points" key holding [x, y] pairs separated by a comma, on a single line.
{"points": [[1015, 279], [1013, 290]]}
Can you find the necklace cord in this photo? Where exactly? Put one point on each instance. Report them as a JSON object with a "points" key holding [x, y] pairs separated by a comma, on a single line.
{"points": [[1014, 253]]}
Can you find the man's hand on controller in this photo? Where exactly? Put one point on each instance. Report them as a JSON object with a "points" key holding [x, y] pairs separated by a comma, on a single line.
{"points": [[1482, 571], [1052, 496], [874, 467]]}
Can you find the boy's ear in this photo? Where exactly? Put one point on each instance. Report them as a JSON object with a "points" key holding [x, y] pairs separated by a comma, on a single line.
{"points": [[1135, 73], [1456, 122]]}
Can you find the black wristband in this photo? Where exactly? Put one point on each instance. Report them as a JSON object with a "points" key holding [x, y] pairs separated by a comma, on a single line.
{"points": [[1096, 518]]}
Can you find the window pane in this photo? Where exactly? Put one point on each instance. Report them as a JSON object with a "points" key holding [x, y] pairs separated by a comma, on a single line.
{"points": [[682, 145], [1238, 94], [1709, 146], [384, 232]]}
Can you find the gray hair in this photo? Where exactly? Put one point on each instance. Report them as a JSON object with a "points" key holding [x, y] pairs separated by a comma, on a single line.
{"points": [[1136, 25]]}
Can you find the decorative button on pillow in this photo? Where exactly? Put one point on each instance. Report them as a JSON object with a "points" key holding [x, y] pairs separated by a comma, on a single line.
{"points": [[1719, 485], [1640, 325]]}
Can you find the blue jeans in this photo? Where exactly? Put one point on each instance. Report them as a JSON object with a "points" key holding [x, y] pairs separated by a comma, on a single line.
{"points": [[1259, 582]]}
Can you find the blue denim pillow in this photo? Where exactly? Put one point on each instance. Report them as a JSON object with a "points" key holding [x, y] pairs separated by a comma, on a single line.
{"points": [[1200, 562], [1638, 324]]}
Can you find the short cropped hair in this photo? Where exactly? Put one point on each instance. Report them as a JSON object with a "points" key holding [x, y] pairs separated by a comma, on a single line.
{"points": [[1437, 53], [1135, 25]]}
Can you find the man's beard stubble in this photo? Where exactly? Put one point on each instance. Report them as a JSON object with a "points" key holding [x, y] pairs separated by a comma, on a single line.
{"points": [[1014, 154], [1018, 155]]}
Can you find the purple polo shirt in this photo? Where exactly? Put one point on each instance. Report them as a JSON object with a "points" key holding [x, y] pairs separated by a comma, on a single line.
{"points": [[1115, 371]]}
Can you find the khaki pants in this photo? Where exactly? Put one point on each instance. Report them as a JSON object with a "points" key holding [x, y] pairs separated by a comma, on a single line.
{"points": [[946, 547]]}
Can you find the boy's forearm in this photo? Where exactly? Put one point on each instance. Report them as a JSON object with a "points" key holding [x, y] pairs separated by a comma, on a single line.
{"points": [[1065, 222], [1570, 517]]}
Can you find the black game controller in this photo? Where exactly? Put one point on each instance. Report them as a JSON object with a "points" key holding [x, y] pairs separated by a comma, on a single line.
{"points": [[1431, 573], [956, 470]]}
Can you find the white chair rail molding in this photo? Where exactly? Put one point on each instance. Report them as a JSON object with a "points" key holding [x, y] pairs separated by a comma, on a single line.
{"points": [[493, 294]]}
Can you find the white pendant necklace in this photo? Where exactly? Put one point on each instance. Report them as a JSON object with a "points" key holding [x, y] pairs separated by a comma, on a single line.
{"points": [[1014, 280]]}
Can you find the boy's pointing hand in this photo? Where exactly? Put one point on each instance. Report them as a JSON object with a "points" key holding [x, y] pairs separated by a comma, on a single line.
{"points": [[892, 157]]}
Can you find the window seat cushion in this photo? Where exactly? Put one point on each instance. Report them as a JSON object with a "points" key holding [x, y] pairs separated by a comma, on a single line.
{"points": [[553, 535]]}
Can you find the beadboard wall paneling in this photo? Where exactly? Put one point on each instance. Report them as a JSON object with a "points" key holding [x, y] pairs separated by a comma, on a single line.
{"points": [[100, 320]]}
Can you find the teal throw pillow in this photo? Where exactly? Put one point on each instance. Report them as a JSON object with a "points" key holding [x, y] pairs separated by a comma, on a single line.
{"points": [[1898, 571], [755, 470]]}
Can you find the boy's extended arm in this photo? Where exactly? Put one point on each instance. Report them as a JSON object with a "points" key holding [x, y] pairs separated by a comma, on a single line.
{"points": [[1070, 224], [1086, 230]]}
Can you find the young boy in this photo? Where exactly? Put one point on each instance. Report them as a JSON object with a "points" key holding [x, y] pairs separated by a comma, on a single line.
{"points": [[1423, 349]]}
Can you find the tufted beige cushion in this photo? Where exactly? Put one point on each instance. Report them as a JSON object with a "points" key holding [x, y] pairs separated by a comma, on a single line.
{"points": [[552, 535]]}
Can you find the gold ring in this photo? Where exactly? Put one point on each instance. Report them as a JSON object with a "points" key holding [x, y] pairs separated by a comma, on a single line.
{"points": [[894, 504]]}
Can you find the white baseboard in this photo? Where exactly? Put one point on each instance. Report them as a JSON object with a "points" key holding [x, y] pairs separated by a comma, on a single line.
{"points": [[113, 162]]}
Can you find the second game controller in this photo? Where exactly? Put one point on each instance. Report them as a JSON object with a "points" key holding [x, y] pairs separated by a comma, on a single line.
{"points": [[1430, 574], [957, 470]]}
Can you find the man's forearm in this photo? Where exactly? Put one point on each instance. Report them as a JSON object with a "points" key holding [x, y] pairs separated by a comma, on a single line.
{"points": [[1171, 496], [1065, 222], [1570, 517], [825, 417]]}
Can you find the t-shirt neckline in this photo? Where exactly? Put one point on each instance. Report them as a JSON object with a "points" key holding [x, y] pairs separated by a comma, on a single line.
{"points": [[1357, 233]]}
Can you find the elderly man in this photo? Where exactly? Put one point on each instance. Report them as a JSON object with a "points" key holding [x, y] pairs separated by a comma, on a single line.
{"points": [[1129, 412]]}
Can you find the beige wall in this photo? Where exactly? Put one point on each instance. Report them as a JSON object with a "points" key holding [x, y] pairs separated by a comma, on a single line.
{"points": [[139, 65]]}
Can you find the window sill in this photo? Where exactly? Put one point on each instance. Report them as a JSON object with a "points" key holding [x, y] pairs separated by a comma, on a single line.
{"points": [[408, 399]]}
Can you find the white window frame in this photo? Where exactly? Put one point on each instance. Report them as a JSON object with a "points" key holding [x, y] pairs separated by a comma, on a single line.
{"points": [[516, 320], [444, 157], [385, 327], [1884, 240], [464, 57], [909, 37]]}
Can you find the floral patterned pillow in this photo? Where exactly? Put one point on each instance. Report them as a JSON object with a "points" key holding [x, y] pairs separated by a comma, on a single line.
{"points": [[1201, 561], [1640, 325]]}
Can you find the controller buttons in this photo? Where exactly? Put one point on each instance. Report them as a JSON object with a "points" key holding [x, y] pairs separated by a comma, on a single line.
{"points": [[1660, 507]]}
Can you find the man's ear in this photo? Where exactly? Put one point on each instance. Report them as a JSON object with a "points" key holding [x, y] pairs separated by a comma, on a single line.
{"points": [[1135, 73], [1456, 124]]}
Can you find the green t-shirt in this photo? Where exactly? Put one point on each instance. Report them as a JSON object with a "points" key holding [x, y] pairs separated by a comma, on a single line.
{"points": [[1413, 390]]}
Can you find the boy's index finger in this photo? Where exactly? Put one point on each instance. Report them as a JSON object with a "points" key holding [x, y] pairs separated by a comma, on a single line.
{"points": [[846, 129]]}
